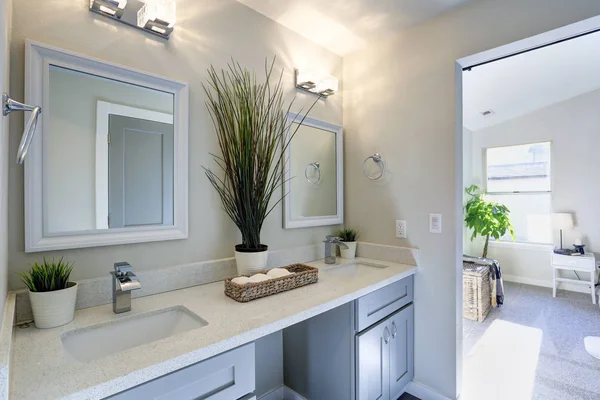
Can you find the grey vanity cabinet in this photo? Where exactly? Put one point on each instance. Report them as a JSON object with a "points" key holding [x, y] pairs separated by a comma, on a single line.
{"points": [[401, 351], [227, 376], [362, 350], [372, 359], [384, 363]]}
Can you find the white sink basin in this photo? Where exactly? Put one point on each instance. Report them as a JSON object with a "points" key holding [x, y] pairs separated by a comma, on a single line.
{"points": [[111, 337], [353, 269]]}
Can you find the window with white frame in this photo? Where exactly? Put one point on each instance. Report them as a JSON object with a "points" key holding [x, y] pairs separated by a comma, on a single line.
{"points": [[520, 177]]}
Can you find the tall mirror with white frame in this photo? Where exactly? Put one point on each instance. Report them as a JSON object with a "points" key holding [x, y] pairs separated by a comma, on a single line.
{"points": [[313, 174], [110, 163]]}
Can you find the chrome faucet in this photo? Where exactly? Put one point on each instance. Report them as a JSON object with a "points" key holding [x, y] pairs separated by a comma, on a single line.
{"points": [[124, 281], [330, 246]]}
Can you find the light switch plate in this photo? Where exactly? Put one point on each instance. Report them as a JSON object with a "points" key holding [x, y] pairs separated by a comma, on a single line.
{"points": [[401, 229], [435, 223]]}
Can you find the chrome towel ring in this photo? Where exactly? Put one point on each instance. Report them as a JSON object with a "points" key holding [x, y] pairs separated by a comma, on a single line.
{"points": [[379, 161], [317, 167]]}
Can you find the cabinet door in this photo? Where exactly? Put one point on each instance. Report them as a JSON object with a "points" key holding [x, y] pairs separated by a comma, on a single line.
{"points": [[372, 363], [401, 350]]}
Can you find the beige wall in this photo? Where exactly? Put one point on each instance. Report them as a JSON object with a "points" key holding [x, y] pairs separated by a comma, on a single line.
{"points": [[399, 101], [210, 31]]}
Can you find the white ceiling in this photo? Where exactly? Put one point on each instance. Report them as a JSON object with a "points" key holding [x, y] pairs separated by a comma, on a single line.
{"points": [[531, 81], [344, 26]]}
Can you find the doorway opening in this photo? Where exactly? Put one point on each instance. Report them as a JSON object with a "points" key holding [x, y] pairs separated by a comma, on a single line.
{"points": [[527, 283]]}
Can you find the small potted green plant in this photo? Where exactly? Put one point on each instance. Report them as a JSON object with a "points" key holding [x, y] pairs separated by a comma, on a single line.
{"points": [[349, 237], [51, 294]]}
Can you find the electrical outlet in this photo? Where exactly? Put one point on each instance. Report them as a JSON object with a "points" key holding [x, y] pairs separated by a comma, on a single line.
{"points": [[401, 229], [435, 223]]}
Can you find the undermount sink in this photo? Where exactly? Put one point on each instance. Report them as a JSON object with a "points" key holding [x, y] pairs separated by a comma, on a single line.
{"points": [[353, 269], [90, 343]]}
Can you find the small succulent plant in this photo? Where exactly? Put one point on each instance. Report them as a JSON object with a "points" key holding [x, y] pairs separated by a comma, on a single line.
{"points": [[348, 234]]}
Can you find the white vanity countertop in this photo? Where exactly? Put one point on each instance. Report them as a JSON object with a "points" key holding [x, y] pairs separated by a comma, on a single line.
{"points": [[42, 369]]}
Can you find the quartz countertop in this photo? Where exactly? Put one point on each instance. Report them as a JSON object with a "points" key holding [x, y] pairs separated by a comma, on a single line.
{"points": [[6, 332], [42, 369]]}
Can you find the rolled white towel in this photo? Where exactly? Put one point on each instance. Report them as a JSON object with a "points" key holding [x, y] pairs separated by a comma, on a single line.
{"points": [[241, 280], [259, 278], [278, 272]]}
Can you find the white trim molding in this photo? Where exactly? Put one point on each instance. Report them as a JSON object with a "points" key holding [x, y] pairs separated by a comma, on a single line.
{"points": [[281, 393], [545, 283], [304, 222], [275, 394], [38, 59], [423, 392], [521, 245]]}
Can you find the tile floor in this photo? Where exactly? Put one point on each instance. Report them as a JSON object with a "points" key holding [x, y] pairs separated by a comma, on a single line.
{"points": [[532, 348]]}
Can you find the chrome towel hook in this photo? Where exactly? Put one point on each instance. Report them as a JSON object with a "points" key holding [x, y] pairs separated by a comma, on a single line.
{"points": [[317, 167], [379, 161], [10, 105]]}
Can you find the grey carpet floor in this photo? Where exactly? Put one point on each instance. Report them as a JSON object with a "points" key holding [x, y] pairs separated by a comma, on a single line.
{"points": [[564, 370]]}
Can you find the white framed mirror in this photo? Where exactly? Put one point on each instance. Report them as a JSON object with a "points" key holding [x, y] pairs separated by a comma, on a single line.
{"points": [[313, 174], [109, 164]]}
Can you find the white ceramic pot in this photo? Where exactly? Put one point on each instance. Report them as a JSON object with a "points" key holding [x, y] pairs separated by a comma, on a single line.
{"points": [[56, 308], [350, 252], [250, 263]]}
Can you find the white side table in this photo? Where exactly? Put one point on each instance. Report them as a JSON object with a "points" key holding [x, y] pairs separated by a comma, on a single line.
{"points": [[585, 263]]}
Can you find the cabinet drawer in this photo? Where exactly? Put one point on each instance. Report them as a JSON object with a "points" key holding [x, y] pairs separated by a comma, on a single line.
{"points": [[580, 262], [227, 376], [383, 302]]}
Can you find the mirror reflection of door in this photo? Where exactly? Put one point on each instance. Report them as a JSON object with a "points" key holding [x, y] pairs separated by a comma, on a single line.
{"points": [[140, 172]]}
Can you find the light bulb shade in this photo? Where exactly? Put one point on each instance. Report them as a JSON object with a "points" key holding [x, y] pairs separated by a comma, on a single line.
{"points": [[327, 85], [562, 221], [158, 16], [113, 8], [306, 80]]}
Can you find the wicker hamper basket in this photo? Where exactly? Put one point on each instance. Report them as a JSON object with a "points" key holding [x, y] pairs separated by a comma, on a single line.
{"points": [[477, 291]]}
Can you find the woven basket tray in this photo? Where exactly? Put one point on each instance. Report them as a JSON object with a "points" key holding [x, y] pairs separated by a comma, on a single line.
{"points": [[303, 275]]}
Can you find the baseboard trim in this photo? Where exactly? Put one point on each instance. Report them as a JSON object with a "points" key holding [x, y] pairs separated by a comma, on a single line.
{"points": [[289, 394], [282, 393], [275, 394], [544, 283], [423, 392], [416, 389]]}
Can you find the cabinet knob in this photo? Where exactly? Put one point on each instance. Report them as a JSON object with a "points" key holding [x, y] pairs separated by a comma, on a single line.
{"points": [[386, 335], [394, 330]]}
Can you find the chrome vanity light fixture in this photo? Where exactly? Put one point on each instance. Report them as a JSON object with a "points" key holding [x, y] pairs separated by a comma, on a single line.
{"points": [[325, 85], [111, 8], [10, 105], [157, 17]]}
